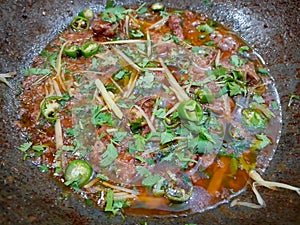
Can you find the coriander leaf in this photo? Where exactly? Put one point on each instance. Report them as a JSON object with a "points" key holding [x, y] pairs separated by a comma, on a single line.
{"points": [[44, 168], [220, 71], [261, 142], [160, 113], [95, 64], [139, 142], [109, 201], [142, 10], [109, 4], [118, 205], [121, 74], [100, 118], [237, 61], [166, 137], [205, 135], [103, 177], [115, 14], [119, 136], [151, 180], [25, 146], [143, 171], [196, 49], [109, 156], [140, 158], [208, 3], [37, 71], [262, 71], [243, 49], [146, 80], [209, 43], [136, 34], [274, 105], [39, 148], [72, 132], [258, 98], [235, 89]]}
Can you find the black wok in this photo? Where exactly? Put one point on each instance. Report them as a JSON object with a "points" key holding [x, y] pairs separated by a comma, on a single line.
{"points": [[28, 196]]}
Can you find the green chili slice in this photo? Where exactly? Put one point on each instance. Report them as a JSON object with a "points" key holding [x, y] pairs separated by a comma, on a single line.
{"points": [[87, 13], [79, 171], [190, 110], [89, 49], [72, 51], [80, 23], [50, 107], [158, 6]]}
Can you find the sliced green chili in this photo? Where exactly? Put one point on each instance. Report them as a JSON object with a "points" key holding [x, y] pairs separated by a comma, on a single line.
{"points": [[79, 171], [158, 6], [50, 107], [72, 51], [190, 110], [89, 49], [80, 23], [87, 13]]}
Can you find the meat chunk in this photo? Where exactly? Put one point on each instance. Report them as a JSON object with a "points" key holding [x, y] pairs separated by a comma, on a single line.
{"points": [[174, 23], [102, 28]]}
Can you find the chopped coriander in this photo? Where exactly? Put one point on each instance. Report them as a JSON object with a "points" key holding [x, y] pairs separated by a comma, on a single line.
{"points": [[119, 136], [243, 48], [262, 71], [109, 156], [209, 43], [115, 14], [121, 74], [100, 118], [237, 61], [151, 180], [25, 146], [146, 80], [44, 168], [274, 105], [37, 71], [207, 3], [140, 158], [139, 142], [160, 113], [143, 171], [261, 142], [136, 34], [103, 177], [39, 148], [109, 201], [142, 10], [258, 98], [166, 137]]}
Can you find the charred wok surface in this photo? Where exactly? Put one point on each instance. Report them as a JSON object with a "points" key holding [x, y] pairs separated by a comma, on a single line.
{"points": [[29, 197]]}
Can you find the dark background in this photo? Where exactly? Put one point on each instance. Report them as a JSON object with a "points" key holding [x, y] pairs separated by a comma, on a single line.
{"points": [[28, 196]]}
